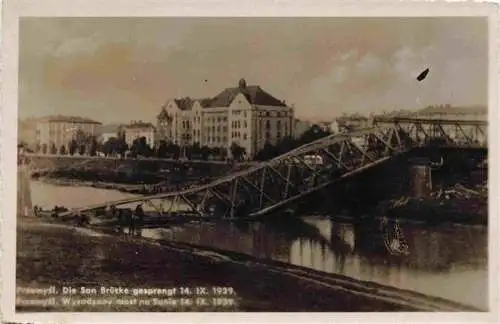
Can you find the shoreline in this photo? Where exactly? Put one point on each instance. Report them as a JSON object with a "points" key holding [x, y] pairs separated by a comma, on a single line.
{"points": [[430, 210], [139, 189], [254, 280]]}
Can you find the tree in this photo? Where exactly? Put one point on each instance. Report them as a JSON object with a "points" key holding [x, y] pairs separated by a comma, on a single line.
{"points": [[268, 152], [195, 151], [161, 152], [53, 149], [141, 147], [44, 148], [81, 149], [173, 150], [62, 150], [205, 152], [313, 133], [92, 150], [72, 147], [287, 144], [237, 151]]}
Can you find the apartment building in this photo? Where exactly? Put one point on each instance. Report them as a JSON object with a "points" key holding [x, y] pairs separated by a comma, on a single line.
{"points": [[245, 115], [60, 130], [138, 129]]}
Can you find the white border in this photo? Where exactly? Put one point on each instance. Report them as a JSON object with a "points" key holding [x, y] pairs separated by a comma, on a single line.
{"points": [[13, 9]]}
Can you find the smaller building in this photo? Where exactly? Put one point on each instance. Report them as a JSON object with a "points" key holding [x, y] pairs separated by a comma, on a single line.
{"points": [[454, 112], [109, 131], [138, 129], [352, 122], [59, 130]]}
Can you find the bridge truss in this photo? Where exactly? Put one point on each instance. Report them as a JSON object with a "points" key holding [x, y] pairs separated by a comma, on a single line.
{"points": [[270, 185]]}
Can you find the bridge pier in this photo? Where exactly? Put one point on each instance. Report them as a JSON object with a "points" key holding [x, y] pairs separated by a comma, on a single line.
{"points": [[420, 179], [24, 203]]}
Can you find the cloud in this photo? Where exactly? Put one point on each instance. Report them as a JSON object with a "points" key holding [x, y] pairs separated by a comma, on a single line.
{"points": [[125, 68]]}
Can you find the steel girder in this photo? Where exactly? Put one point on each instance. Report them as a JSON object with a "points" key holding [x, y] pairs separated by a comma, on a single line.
{"points": [[442, 132], [270, 185]]}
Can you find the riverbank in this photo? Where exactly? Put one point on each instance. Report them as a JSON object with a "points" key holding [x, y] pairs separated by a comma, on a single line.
{"points": [[60, 255], [139, 189]]}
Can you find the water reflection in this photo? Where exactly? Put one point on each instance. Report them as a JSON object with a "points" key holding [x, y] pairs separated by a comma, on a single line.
{"points": [[448, 262]]}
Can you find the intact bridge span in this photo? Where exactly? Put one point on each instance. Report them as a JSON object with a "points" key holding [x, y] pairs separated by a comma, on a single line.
{"points": [[268, 186]]}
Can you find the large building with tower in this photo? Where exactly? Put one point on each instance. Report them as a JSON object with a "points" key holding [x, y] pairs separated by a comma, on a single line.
{"points": [[245, 115]]}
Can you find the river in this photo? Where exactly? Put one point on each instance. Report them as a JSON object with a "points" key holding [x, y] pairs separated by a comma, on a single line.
{"points": [[448, 261]]}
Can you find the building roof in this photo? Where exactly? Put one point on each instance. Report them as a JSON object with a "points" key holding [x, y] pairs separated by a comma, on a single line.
{"points": [[447, 109], [163, 115], [184, 103], [139, 124], [187, 103], [254, 94], [205, 102], [70, 119]]}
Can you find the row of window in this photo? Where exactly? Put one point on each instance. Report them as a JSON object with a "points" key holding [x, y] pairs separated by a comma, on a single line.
{"points": [[219, 119], [214, 129], [238, 135], [237, 124]]}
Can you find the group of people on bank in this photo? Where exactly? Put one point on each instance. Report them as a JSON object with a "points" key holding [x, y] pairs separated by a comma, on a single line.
{"points": [[126, 218]]}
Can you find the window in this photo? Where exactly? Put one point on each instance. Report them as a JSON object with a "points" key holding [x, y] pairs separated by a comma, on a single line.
{"points": [[268, 124], [268, 135], [278, 124], [218, 128], [267, 114], [244, 136], [245, 125]]}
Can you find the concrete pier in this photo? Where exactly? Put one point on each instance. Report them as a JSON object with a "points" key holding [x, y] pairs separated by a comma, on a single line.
{"points": [[24, 204], [420, 180]]}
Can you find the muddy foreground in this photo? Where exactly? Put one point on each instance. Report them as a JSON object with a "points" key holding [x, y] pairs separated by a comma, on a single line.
{"points": [[62, 256]]}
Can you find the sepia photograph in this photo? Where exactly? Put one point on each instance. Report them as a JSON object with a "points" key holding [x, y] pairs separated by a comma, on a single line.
{"points": [[251, 164]]}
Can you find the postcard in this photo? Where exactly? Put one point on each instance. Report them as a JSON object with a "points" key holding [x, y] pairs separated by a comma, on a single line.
{"points": [[217, 161]]}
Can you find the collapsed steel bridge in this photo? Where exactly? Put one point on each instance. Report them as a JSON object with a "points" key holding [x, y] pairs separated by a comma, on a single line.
{"points": [[270, 185]]}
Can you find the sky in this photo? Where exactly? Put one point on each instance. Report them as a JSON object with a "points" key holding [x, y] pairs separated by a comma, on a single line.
{"points": [[116, 70]]}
